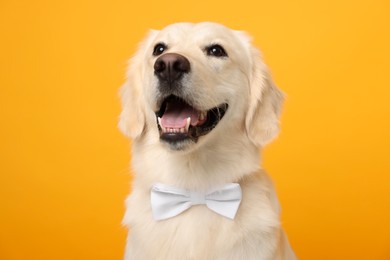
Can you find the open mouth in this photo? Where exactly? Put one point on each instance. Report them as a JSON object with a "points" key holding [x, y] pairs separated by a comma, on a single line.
{"points": [[179, 121]]}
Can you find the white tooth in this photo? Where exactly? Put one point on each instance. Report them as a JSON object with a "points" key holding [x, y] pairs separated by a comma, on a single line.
{"points": [[187, 124], [202, 116], [181, 130], [164, 129]]}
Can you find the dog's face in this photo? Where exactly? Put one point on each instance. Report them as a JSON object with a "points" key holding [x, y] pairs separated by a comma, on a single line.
{"points": [[190, 82]]}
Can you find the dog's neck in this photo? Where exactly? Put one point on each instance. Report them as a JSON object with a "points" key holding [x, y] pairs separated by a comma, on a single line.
{"points": [[212, 164]]}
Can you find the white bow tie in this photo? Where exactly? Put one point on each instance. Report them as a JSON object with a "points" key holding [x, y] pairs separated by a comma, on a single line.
{"points": [[168, 201]]}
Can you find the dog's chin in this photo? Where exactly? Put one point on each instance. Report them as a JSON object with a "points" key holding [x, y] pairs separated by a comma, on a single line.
{"points": [[185, 144], [180, 125]]}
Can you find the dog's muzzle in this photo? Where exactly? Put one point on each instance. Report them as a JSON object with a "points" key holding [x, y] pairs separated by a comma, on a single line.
{"points": [[178, 120]]}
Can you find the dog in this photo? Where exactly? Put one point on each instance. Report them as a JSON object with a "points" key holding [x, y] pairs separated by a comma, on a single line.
{"points": [[198, 104]]}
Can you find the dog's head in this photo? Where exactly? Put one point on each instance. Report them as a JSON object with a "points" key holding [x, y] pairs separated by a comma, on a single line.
{"points": [[189, 82]]}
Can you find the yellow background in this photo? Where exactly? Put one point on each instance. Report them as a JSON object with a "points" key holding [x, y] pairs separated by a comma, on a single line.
{"points": [[64, 165]]}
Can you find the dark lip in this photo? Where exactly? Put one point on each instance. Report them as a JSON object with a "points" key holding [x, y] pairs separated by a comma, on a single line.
{"points": [[214, 116]]}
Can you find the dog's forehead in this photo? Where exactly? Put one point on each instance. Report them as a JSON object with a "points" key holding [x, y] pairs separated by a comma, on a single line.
{"points": [[201, 33]]}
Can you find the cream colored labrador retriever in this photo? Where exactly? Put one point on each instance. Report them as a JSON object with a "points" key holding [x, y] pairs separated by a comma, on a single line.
{"points": [[199, 103]]}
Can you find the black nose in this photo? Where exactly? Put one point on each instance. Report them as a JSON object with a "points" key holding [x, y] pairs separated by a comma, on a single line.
{"points": [[171, 67]]}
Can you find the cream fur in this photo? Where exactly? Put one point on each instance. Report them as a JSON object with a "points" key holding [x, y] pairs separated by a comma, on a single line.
{"points": [[229, 153]]}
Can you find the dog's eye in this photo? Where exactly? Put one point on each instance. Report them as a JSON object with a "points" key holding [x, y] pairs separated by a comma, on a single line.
{"points": [[216, 51], [159, 49]]}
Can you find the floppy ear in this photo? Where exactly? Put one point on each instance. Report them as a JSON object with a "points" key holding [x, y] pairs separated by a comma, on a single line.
{"points": [[132, 117], [262, 120]]}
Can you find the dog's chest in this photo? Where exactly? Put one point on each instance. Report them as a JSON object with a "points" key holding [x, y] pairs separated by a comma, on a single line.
{"points": [[195, 234], [199, 233]]}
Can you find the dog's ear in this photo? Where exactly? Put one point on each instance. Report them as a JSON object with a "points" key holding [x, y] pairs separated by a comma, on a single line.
{"points": [[262, 120], [132, 117]]}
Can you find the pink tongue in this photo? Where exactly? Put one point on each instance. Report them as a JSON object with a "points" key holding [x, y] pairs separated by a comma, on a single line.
{"points": [[176, 114]]}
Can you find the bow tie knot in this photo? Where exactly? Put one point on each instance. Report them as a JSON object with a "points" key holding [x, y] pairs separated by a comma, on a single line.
{"points": [[197, 198], [168, 201]]}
